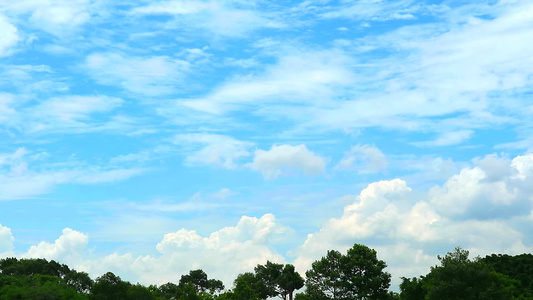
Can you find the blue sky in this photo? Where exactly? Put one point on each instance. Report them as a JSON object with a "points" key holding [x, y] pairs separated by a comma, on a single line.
{"points": [[149, 138]]}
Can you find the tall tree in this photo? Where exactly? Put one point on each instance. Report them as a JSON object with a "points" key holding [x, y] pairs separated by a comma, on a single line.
{"points": [[280, 280], [110, 287], [459, 278], [198, 278], [357, 275], [289, 281]]}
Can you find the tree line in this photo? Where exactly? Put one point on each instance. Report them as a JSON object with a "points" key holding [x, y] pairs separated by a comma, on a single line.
{"points": [[357, 274]]}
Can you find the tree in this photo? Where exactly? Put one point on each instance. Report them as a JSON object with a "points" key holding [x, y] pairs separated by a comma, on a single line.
{"points": [[519, 268], [198, 278], [356, 275], [289, 281], [139, 292], [412, 289], [249, 286], [110, 287], [169, 290], [37, 286], [459, 278], [280, 280]]}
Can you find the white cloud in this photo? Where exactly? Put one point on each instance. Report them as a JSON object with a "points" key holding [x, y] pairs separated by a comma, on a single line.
{"points": [[6, 240], [73, 108], [213, 149], [223, 254], [408, 231], [9, 37], [156, 75], [374, 10], [426, 168], [224, 193], [438, 71], [496, 187], [68, 112], [285, 158], [365, 159], [221, 18], [64, 114], [448, 139], [297, 78], [52, 16], [67, 248], [18, 180], [6, 111]]}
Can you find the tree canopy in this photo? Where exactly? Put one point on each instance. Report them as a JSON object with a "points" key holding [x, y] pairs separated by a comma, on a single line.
{"points": [[358, 274]]}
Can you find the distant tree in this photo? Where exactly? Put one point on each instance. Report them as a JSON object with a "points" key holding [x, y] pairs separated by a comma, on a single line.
{"points": [[249, 286], [519, 268], [80, 281], [357, 275], [169, 290], [198, 278], [37, 286], [279, 280], [110, 287], [459, 278], [289, 281], [412, 289], [139, 292]]}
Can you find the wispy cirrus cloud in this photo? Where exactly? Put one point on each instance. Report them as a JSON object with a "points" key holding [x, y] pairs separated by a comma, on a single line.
{"points": [[51, 16], [152, 76], [9, 37], [20, 180], [220, 18], [301, 79]]}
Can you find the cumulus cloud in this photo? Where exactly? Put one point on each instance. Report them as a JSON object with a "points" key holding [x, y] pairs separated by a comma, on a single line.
{"points": [[156, 75], [408, 228], [286, 158], [213, 149], [223, 254], [365, 159], [68, 247], [493, 188], [6, 240], [471, 209]]}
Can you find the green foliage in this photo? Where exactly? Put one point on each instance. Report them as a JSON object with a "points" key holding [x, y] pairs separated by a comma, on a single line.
{"points": [[198, 279], [110, 287], [37, 286], [519, 268], [459, 278], [356, 275], [412, 289], [289, 281], [249, 286]]}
